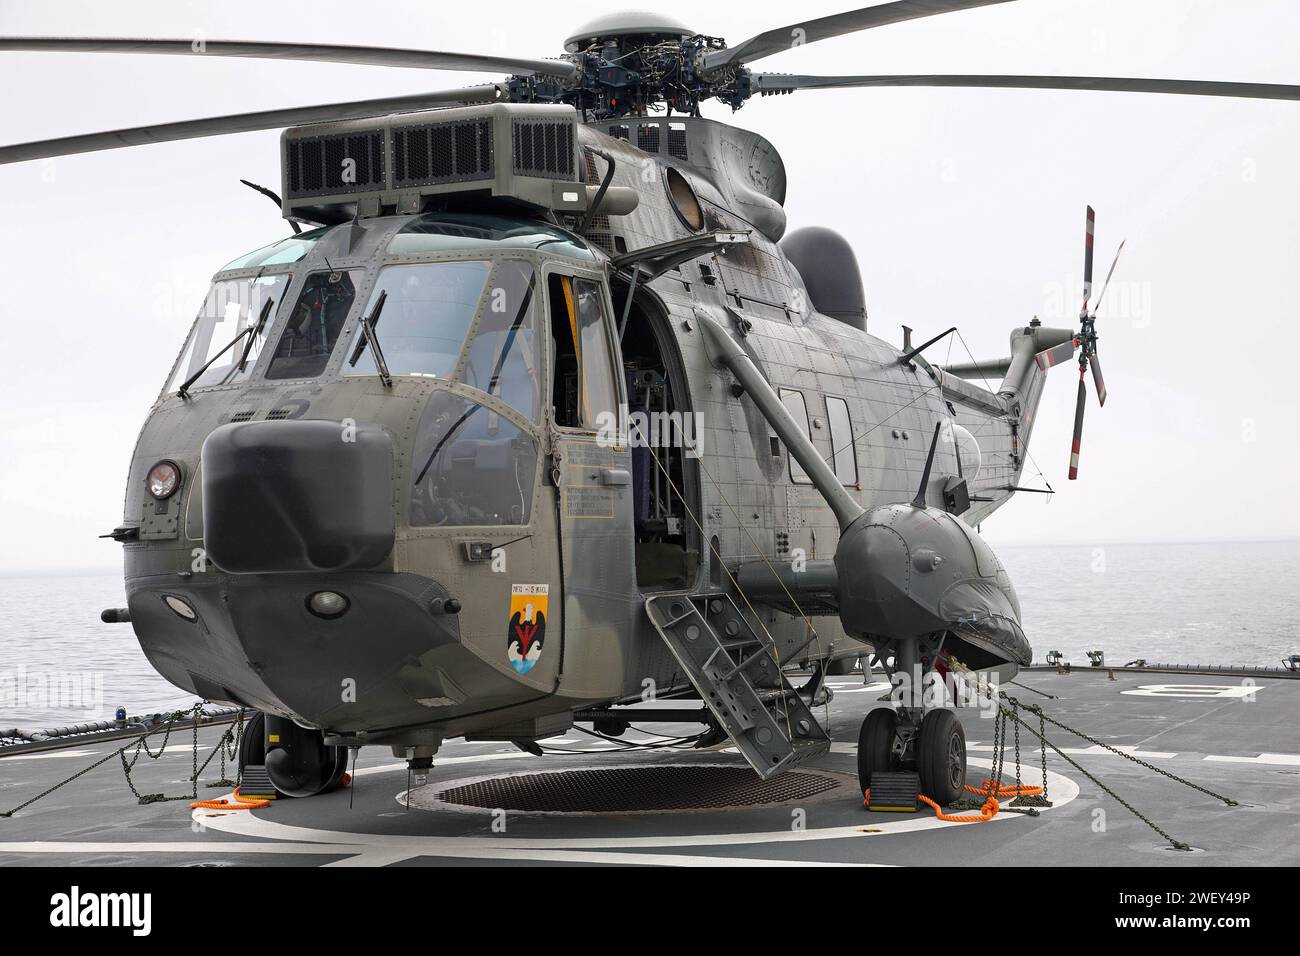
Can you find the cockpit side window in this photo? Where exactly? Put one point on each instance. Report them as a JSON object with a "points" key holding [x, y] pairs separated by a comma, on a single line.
{"points": [[583, 379], [470, 466], [229, 332], [314, 325]]}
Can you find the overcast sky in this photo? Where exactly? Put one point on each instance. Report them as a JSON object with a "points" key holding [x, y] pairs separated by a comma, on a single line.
{"points": [[965, 206]]}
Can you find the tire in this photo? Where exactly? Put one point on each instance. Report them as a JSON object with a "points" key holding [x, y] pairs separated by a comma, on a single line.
{"points": [[941, 757], [875, 744], [323, 772]]}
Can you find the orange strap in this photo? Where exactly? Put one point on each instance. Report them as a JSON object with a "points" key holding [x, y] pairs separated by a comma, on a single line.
{"points": [[238, 803], [987, 812]]}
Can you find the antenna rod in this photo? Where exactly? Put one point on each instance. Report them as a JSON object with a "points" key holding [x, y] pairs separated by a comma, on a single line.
{"points": [[919, 500], [907, 357]]}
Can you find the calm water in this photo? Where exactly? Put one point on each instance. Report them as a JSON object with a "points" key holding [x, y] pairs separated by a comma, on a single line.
{"points": [[1214, 603], [1235, 603]]}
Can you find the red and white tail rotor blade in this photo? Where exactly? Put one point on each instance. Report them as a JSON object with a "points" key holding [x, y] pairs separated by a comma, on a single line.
{"points": [[1097, 378], [1055, 355], [1110, 272], [1078, 428], [1087, 261]]}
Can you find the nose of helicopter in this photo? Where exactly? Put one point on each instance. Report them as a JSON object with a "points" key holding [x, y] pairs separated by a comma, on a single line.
{"points": [[302, 612], [341, 649]]}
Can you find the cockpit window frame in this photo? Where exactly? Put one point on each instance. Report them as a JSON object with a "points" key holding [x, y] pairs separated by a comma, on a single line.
{"points": [[565, 267], [254, 372], [542, 258]]}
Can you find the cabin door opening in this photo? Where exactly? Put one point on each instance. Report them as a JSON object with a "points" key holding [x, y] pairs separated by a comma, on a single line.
{"points": [[663, 436]]}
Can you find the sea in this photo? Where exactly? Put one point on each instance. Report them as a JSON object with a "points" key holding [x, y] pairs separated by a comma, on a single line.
{"points": [[1213, 603]]}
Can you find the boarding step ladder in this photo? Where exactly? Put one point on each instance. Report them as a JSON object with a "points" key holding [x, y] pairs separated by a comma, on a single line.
{"points": [[740, 683]]}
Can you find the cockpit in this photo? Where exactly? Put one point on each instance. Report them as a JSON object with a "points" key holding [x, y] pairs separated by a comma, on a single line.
{"points": [[428, 309], [481, 305]]}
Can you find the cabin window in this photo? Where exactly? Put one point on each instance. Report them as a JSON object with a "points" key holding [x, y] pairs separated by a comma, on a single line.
{"points": [[583, 373], [794, 404], [844, 456], [427, 310], [314, 325], [227, 331], [503, 358]]}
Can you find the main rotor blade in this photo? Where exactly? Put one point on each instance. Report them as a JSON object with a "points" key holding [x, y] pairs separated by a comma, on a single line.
{"points": [[246, 122], [1097, 378], [784, 83], [797, 34], [1078, 428], [312, 52]]}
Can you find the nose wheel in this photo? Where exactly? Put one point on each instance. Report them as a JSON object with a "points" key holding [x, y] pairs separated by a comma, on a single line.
{"points": [[936, 750]]}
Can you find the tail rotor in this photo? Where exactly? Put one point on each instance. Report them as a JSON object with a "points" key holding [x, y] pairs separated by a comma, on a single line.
{"points": [[1086, 342]]}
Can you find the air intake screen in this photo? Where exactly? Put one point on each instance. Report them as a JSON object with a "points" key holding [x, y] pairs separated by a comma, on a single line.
{"points": [[544, 149], [647, 138], [345, 163], [442, 153], [677, 141]]}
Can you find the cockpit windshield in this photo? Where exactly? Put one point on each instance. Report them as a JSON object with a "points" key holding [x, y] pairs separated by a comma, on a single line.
{"points": [[428, 308], [314, 325], [230, 314]]}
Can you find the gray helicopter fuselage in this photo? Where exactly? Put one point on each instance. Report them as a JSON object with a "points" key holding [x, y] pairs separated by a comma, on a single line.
{"points": [[529, 512]]}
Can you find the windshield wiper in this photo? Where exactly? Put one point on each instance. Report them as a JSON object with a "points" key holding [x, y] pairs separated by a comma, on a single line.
{"points": [[257, 330], [371, 338], [252, 333]]}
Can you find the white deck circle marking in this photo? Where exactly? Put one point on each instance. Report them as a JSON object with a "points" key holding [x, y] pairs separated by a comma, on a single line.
{"points": [[1278, 760], [380, 848], [51, 756], [1197, 691]]}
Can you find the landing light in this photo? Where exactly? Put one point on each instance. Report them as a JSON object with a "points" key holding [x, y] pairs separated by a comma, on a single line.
{"points": [[180, 607], [328, 604], [163, 479]]}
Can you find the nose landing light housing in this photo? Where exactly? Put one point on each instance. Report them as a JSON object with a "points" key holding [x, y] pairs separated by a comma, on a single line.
{"points": [[180, 607], [328, 604], [163, 479]]}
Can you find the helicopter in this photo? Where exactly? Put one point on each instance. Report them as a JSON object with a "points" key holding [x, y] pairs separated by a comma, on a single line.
{"points": [[540, 417]]}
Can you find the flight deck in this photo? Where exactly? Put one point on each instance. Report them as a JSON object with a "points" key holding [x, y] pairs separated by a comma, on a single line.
{"points": [[643, 801]]}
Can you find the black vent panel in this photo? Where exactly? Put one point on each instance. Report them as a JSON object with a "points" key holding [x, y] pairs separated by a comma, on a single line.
{"points": [[647, 138], [677, 141], [543, 149], [442, 153], [330, 165]]}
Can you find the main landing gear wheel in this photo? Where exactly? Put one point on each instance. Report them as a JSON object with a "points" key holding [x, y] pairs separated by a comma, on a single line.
{"points": [[941, 757], [296, 759], [876, 745], [252, 743]]}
